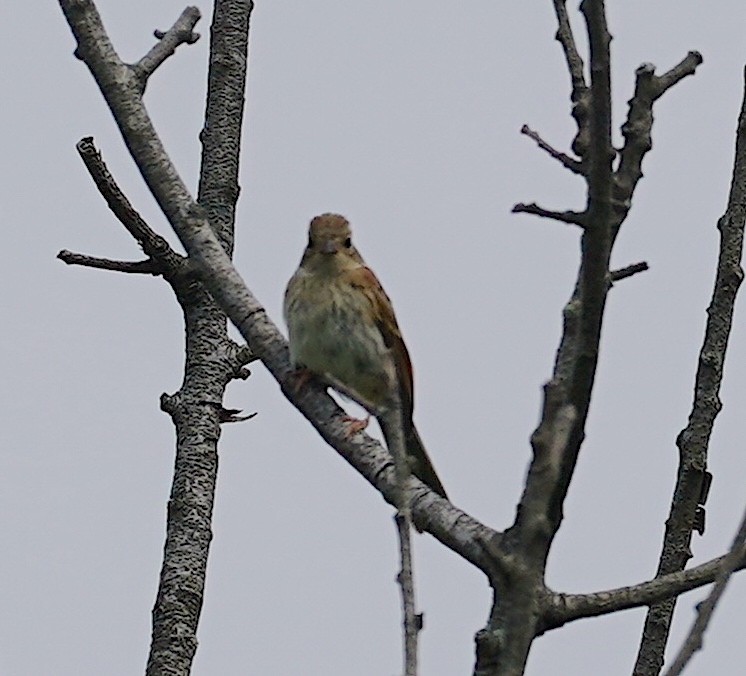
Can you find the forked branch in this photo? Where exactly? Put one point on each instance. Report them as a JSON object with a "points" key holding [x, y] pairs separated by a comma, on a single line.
{"points": [[453, 527]]}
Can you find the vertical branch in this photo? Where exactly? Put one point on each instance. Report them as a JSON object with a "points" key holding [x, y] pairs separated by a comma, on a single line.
{"points": [[412, 621], [520, 603], [540, 511], [197, 405], [221, 135], [503, 647], [393, 424], [694, 439]]}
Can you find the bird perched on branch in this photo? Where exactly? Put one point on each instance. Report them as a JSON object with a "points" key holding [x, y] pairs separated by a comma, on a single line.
{"points": [[343, 330]]}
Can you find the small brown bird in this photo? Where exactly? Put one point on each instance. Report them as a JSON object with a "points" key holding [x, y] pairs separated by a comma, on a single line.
{"points": [[343, 330]]}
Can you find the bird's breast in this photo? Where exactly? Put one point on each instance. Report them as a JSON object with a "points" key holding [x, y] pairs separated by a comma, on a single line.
{"points": [[334, 334]]}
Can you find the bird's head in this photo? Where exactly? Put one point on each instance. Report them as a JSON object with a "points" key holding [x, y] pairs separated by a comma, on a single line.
{"points": [[330, 244]]}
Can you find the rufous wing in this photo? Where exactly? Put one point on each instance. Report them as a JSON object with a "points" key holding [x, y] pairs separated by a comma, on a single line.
{"points": [[365, 280]]}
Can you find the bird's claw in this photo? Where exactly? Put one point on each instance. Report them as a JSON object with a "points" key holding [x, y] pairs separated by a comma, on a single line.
{"points": [[356, 424]]}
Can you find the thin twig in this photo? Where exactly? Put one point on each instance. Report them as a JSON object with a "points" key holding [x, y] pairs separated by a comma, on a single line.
{"points": [[572, 217], [574, 63], [574, 165], [146, 267], [579, 94], [623, 273], [412, 621], [182, 32], [393, 425], [154, 246]]}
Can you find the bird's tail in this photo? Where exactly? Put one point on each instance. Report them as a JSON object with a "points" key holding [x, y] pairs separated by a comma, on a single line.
{"points": [[419, 461]]}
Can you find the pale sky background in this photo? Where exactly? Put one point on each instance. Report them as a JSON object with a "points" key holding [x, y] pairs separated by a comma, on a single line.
{"points": [[403, 116]]}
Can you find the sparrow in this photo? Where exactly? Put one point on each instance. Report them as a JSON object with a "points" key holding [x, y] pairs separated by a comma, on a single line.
{"points": [[343, 330]]}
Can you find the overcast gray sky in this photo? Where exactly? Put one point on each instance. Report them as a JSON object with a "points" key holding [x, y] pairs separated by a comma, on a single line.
{"points": [[403, 116]]}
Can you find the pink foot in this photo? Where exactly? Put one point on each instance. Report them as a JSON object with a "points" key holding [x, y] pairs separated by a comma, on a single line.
{"points": [[356, 425]]}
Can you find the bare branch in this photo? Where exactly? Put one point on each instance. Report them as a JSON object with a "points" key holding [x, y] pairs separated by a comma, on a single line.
{"points": [[179, 598], [391, 419], [629, 271], [412, 621], [564, 608], [638, 126], [580, 94], [503, 646], [146, 267], [574, 165], [687, 66], [574, 63], [221, 135], [454, 528], [155, 246], [694, 439], [451, 526], [572, 217], [731, 562], [550, 443], [182, 32]]}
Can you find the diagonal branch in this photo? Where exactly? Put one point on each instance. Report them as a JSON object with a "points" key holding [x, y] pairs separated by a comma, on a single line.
{"points": [[564, 608], [574, 165], [732, 561], [638, 126], [694, 439], [687, 66], [454, 528], [574, 62], [154, 246], [182, 32]]}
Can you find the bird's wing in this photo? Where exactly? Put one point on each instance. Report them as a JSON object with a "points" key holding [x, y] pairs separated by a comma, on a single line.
{"points": [[367, 283]]}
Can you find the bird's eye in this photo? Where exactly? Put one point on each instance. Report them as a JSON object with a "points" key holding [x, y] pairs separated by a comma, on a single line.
{"points": [[348, 243]]}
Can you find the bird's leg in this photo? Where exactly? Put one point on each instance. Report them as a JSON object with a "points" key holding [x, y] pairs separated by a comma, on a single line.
{"points": [[302, 376]]}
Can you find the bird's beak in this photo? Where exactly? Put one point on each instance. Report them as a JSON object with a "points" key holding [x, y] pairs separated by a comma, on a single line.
{"points": [[329, 247]]}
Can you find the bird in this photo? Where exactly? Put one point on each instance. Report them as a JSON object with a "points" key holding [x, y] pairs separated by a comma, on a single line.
{"points": [[343, 330]]}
